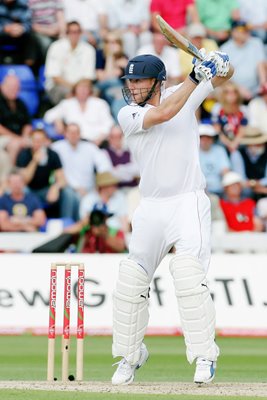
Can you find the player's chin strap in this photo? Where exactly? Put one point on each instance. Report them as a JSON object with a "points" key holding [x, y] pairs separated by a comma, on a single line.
{"points": [[149, 95]]}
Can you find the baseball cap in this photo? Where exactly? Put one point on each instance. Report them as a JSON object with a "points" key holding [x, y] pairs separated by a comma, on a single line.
{"points": [[240, 24], [207, 130], [230, 178], [196, 30]]}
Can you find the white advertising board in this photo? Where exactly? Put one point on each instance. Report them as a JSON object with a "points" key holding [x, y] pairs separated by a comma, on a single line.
{"points": [[237, 282]]}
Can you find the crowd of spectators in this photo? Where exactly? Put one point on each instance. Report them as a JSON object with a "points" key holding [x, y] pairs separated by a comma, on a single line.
{"points": [[67, 157]]}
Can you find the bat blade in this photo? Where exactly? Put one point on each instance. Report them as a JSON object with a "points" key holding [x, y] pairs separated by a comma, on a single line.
{"points": [[177, 39]]}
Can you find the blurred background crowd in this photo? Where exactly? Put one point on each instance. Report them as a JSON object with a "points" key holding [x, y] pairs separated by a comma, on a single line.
{"points": [[62, 154]]}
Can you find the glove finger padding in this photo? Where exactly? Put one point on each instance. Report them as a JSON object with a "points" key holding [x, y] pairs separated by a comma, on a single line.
{"points": [[222, 62], [205, 70]]}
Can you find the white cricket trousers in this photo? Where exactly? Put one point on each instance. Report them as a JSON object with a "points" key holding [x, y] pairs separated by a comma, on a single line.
{"points": [[181, 221]]}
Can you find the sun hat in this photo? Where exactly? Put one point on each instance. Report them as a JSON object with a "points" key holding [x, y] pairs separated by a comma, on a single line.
{"points": [[253, 136], [106, 179]]}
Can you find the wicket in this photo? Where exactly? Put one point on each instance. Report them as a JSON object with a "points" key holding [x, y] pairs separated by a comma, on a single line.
{"points": [[66, 321]]}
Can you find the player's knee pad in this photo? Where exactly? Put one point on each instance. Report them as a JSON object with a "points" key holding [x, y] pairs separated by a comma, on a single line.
{"points": [[130, 311], [196, 307]]}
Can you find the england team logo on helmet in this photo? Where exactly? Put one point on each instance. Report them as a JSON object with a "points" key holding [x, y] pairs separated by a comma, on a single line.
{"points": [[131, 68]]}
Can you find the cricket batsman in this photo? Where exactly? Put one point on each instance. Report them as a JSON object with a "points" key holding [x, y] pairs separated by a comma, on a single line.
{"points": [[174, 212]]}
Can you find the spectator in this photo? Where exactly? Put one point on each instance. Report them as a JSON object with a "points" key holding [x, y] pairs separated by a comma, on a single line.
{"points": [[239, 212], [262, 211], [108, 196], [68, 60], [110, 64], [20, 211], [5, 168], [124, 168], [257, 110], [90, 14], [169, 55], [89, 112], [229, 116], [48, 23], [15, 123], [216, 16], [255, 14], [197, 34], [43, 174], [176, 13], [214, 161], [79, 159], [250, 161], [17, 45], [95, 234], [131, 19], [247, 55]]}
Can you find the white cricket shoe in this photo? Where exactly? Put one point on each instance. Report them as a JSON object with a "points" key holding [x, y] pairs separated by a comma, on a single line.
{"points": [[124, 374], [205, 371]]}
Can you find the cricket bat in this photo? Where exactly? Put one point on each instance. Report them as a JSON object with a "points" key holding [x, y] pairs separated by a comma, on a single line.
{"points": [[177, 39]]}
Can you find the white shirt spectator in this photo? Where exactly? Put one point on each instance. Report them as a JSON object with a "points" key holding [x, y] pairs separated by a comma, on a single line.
{"points": [[70, 64], [94, 121], [86, 12], [116, 205], [79, 163]]}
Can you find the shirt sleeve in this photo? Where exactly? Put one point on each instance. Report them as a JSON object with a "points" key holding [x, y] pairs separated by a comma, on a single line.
{"points": [[131, 119]]}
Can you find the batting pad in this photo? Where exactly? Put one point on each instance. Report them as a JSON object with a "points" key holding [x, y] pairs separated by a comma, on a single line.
{"points": [[196, 308], [130, 311]]}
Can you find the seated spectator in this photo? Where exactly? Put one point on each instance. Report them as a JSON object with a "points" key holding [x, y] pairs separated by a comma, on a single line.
{"points": [[255, 14], [124, 167], [169, 55], [20, 211], [17, 44], [250, 161], [89, 112], [197, 34], [262, 211], [48, 23], [257, 110], [15, 123], [91, 16], [68, 60], [216, 16], [131, 20], [110, 64], [107, 196], [79, 160], [247, 55], [214, 160], [176, 13], [229, 116], [5, 168], [42, 171], [239, 212], [95, 234]]}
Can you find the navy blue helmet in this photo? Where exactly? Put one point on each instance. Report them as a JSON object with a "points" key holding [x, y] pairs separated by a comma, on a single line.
{"points": [[145, 66]]}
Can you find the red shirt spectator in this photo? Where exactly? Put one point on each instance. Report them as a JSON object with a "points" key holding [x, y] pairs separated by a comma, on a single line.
{"points": [[175, 12], [239, 213]]}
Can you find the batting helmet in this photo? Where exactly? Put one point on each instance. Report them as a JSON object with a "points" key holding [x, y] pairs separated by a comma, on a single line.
{"points": [[145, 66]]}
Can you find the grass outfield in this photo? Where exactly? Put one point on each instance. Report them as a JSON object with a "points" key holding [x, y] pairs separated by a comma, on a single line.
{"points": [[25, 358]]}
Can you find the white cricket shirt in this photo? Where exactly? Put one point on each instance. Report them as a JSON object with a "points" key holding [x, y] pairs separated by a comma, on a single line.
{"points": [[167, 154]]}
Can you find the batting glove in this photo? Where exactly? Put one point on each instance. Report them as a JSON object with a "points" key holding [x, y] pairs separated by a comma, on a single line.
{"points": [[221, 60], [204, 70]]}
